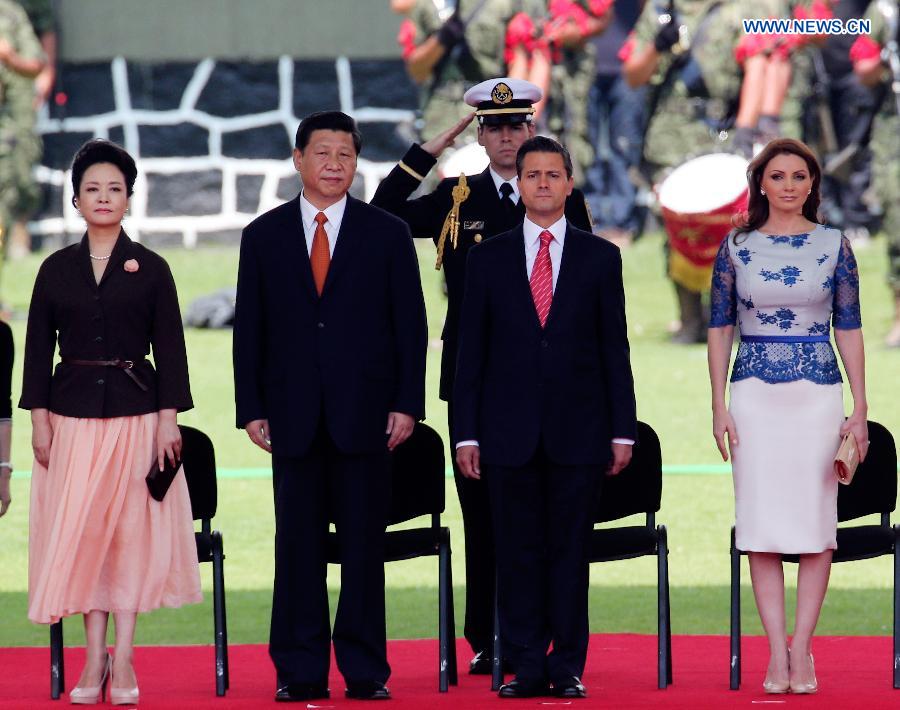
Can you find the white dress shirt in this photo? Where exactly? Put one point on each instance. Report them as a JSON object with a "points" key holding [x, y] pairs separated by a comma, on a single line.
{"points": [[532, 235], [334, 213], [513, 182]]}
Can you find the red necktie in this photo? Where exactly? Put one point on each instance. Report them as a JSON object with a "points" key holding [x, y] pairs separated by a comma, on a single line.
{"points": [[542, 279], [319, 255]]}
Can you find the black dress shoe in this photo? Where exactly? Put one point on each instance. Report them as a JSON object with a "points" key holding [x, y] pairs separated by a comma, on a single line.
{"points": [[524, 689], [370, 690], [569, 688], [300, 692]]}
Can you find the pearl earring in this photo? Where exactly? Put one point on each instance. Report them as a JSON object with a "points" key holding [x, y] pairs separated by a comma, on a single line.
{"points": [[762, 192]]}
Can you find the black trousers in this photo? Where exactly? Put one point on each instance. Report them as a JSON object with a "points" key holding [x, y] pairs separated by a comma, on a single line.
{"points": [[542, 523], [353, 491], [479, 547]]}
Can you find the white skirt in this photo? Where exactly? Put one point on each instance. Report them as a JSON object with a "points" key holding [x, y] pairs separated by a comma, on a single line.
{"points": [[785, 490]]}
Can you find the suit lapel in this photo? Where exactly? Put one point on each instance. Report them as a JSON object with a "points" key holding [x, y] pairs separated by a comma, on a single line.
{"points": [[120, 253], [293, 244], [83, 257], [571, 256], [520, 275], [347, 243]]}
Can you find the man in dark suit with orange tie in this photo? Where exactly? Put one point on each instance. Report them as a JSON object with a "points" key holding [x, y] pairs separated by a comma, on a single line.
{"points": [[329, 367], [545, 406]]}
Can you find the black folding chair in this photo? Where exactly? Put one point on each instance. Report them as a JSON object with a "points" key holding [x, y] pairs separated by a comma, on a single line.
{"points": [[199, 461], [873, 491], [417, 489], [636, 490]]}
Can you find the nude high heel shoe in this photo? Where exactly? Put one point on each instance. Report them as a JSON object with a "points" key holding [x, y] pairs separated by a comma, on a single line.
{"points": [[92, 695], [122, 696], [806, 688]]}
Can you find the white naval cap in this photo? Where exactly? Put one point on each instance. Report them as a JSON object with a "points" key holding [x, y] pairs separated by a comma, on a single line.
{"points": [[503, 100]]}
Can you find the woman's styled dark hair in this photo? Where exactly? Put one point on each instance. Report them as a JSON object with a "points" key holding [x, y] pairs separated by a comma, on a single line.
{"points": [[327, 121], [758, 205], [99, 150], [542, 144]]}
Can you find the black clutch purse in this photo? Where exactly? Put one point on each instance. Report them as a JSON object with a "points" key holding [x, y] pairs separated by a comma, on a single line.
{"points": [[158, 482]]}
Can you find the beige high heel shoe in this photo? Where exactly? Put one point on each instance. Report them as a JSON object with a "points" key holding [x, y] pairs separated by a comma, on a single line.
{"points": [[123, 696], [95, 694], [806, 688]]}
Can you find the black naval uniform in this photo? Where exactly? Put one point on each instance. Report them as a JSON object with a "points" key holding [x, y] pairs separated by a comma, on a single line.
{"points": [[481, 217]]}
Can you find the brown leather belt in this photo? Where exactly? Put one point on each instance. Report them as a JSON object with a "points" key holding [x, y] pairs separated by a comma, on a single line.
{"points": [[126, 366]]}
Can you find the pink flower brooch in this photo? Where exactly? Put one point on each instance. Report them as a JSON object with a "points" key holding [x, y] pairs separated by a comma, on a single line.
{"points": [[131, 266]]}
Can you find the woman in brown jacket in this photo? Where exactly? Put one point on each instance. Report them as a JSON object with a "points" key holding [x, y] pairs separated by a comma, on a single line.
{"points": [[98, 543]]}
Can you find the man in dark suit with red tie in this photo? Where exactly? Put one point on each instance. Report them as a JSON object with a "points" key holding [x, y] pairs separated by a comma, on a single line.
{"points": [[544, 406], [329, 367], [490, 206]]}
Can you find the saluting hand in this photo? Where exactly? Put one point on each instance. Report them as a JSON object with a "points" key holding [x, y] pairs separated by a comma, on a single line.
{"points": [[442, 141]]}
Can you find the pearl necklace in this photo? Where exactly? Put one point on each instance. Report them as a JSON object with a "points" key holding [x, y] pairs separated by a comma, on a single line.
{"points": [[99, 258]]}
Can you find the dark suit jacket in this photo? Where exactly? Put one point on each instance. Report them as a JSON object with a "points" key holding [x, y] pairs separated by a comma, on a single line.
{"points": [[567, 385], [120, 319], [481, 217], [356, 353]]}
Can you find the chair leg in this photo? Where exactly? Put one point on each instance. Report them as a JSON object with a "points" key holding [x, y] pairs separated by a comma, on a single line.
{"points": [[451, 618], [497, 660], [735, 679], [663, 632], [57, 661], [219, 616], [444, 634], [897, 607]]}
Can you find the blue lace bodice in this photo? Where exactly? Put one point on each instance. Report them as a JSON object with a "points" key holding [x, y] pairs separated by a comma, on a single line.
{"points": [[782, 291]]}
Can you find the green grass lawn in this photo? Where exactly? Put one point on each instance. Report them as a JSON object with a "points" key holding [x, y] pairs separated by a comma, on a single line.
{"points": [[672, 395]]}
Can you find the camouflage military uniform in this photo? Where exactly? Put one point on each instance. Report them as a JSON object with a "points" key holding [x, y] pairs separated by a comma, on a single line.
{"points": [[486, 40], [572, 75], [886, 146], [20, 147], [40, 14]]}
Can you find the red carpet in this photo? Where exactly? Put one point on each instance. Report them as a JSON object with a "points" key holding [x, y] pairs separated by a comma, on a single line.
{"points": [[854, 672]]}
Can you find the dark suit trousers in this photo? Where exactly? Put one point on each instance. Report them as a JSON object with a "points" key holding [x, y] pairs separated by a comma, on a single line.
{"points": [[479, 544], [353, 491], [542, 523]]}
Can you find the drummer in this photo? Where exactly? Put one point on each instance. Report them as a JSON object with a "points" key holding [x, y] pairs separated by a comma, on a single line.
{"points": [[487, 204]]}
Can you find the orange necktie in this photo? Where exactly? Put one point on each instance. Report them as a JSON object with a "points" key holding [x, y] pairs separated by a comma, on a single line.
{"points": [[319, 256]]}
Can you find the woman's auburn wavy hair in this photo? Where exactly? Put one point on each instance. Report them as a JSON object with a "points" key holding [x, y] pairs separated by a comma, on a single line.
{"points": [[758, 205]]}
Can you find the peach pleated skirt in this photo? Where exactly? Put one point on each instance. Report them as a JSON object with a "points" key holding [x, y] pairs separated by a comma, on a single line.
{"points": [[97, 540], [785, 490]]}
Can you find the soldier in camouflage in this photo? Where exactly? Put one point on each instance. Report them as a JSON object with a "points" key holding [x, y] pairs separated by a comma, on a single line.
{"points": [[691, 107], [568, 27], [450, 45], [21, 60], [871, 62]]}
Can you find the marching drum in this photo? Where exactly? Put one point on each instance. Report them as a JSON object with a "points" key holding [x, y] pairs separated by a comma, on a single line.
{"points": [[698, 200]]}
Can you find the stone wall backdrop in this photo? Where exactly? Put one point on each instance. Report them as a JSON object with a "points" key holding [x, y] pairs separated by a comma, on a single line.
{"points": [[212, 139]]}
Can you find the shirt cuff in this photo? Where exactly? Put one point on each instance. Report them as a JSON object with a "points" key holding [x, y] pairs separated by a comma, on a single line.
{"points": [[467, 442], [629, 442]]}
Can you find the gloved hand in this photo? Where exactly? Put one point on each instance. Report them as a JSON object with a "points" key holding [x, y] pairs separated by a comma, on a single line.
{"points": [[666, 38], [451, 32], [743, 141]]}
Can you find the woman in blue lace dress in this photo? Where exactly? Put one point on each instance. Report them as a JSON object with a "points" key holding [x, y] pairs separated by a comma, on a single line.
{"points": [[780, 278]]}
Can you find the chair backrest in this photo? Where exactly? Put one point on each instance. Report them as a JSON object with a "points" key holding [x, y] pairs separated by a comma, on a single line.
{"points": [[417, 476], [874, 487], [199, 459], [637, 488]]}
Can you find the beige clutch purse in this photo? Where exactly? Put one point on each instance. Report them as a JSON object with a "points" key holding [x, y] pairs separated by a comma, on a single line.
{"points": [[847, 459]]}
